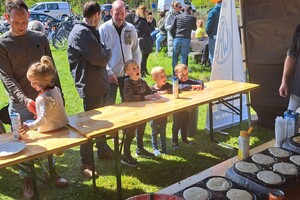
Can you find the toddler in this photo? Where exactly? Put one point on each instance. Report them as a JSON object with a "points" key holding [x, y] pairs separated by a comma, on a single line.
{"points": [[158, 126], [181, 119], [135, 89], [50, 111], [200, 31]]}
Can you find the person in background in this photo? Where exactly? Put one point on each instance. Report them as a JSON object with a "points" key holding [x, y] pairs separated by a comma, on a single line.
{"points": [[212, 27], [36, 25], [181, 119], [106, 16], [201, 35], [121, 38], [50, 110], [181, 30], [290, 85], [19, 48], [175, 10], [145, 40], [161, 36], [152, 24], [88, 58], [130, 15], [158, 126], [135, 89]]}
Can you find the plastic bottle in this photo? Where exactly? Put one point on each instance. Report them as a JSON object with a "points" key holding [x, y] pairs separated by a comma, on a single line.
{"points": [[15, 123], [243, 142], [175, 88]]}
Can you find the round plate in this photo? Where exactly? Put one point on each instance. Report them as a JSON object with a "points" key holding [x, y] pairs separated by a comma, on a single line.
{"points": [[10, 148]]}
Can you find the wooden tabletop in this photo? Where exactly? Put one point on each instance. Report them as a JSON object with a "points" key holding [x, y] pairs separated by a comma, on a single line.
{"points": [[116, 117], [40, 145]]}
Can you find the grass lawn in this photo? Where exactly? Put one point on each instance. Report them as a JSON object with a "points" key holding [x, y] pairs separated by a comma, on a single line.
{"points": [[152, 174]]}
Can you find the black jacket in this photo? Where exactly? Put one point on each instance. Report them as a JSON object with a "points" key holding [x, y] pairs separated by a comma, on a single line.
{"points": [[183, 25], [144, 31]]}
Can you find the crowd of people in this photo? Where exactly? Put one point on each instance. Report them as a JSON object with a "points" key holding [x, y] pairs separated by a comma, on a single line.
{"points": [[102, 59]]}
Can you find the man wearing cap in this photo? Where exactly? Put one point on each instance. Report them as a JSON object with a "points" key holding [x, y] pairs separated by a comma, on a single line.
{"points": [[212, 27]]}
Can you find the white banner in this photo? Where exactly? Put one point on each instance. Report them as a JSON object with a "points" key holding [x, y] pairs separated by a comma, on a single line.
{"points": [[227, 64]]}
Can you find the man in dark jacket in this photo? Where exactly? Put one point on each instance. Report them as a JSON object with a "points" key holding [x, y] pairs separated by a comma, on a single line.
{"points": [[88, 59], [181, 30], [212, 27]]}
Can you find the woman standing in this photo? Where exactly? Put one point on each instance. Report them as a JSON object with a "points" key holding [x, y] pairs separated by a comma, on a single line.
{"points": [[145, 40]]}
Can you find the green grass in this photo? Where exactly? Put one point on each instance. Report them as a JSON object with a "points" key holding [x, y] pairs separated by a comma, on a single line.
{"points": [[152, 174]]}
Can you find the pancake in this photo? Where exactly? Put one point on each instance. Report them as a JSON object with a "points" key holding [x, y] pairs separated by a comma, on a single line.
{"points": [[269, 177], [278, 152], [295, 159], [285, 168], [218, 184], [262, 159], [195, 193], [236, 194], [246, 167], [296, 139]]}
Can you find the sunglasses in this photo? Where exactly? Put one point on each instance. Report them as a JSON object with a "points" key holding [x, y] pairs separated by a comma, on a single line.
{"points": [[180, 7]]}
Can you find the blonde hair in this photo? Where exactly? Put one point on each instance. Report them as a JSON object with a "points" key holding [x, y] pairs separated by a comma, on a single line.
{"points": [[44, 68], [179, 67], [200, 23], [128, 62], [156, 71], [141, 11]]}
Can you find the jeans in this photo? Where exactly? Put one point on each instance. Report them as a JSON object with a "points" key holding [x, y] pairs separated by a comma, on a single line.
{"points": [[181, 47], [112, 96], [294, 102], [102, 147], [180, 122], [129, 135], [211, 49], [159, 127], [159, 39], [154, 35]]}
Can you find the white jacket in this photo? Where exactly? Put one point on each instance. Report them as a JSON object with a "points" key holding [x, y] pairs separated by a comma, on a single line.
{"points": [[122, 47]]}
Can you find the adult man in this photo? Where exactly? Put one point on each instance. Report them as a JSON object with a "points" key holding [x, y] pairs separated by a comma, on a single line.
{"points": [[292, 68], [19, 48], [175, 10], [181, 32], [88, 59], [212, 27], [121, 38]]}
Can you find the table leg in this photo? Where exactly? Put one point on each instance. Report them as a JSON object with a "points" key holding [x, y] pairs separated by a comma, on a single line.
{"points": [[34, 182], [211, 125], [51, 173], [241, 110], [118, 166], [93, 165]]}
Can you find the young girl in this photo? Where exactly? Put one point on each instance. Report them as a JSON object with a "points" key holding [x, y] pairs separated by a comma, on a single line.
{"points": [[200, 32], [50, 111]]}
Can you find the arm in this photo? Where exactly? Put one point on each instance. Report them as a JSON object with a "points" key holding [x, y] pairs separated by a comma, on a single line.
{"points": [[135, 49], [168, 22], [288, 70], [209, 23], [129, 95], [143, 26]]}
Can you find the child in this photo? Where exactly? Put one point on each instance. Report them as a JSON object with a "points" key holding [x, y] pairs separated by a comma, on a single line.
{"points": [[135, 89], [181, 119], [200, 31], [159, 125], [50, 110]]}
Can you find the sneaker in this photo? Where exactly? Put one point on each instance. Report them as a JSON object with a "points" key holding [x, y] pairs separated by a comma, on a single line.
{"points": [[144, 153], [87, 170], [156, 152], [164, 152], [130, 161], [175, 146]]}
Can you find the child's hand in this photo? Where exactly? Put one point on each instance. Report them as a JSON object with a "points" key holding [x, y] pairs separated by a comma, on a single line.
{"points": [[154, 96], [197, 87], [23, 129]]}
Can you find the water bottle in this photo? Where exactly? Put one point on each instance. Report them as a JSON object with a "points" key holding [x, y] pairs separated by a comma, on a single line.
{"points": [[15, 124], [243, 143], [292, 122], [175, 88]]}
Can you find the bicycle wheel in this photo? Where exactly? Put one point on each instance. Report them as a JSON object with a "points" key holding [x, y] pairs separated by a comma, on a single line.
{"points": [[58, 42]]}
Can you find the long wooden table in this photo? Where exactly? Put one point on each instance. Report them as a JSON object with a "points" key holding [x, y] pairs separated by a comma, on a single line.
{"points": [[110, 119], [40, 145]]}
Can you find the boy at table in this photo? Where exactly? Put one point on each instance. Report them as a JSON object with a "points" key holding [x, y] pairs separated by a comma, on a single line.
{"points": [[135, 89], [158, 126], [181, 119]]}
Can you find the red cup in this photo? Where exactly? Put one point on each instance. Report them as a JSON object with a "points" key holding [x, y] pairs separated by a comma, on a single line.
{"points": [[276, 195]]}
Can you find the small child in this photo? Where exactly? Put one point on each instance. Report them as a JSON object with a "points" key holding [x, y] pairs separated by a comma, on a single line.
{"points": [[181, 119], [200, 31], [135, 89], [50, 110], [159, 125]]}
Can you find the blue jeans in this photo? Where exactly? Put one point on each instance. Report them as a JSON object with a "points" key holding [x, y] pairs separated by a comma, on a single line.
{"points": [[294, 102], [129, 135], [181, 47], [159, 127], [159, 39], [102, 147], [180, 122], [153, 35], [112, 96], [211, 49]]}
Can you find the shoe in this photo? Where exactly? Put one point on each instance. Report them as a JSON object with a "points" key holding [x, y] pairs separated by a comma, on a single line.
{"points": [[28, 188], [164, 152], [175, 146], [58, 180], [144, 153], [187, 141], [156, 153], [87, 171], [108, 155], [130, 161]]}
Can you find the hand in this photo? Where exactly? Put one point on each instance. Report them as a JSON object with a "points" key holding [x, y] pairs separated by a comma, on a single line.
{"points": [[197, 87], [283, 90], [31, 106], [23, 129], [113, 79]]}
